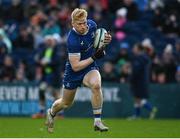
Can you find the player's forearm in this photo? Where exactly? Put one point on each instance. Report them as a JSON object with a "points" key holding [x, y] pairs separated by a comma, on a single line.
{"points": [[82, 64]]}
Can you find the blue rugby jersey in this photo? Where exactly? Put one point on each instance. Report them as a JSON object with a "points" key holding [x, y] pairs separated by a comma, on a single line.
{"points": [[83, 46]]}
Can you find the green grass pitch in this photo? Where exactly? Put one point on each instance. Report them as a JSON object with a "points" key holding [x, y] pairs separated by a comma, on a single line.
{"points": [[82, 127]]}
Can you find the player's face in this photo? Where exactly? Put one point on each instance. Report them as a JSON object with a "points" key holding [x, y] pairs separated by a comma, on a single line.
{"points": [[81, 26]]}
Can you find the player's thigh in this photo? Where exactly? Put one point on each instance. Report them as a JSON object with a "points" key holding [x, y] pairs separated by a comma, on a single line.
{"points": [[68, 95], [93, 77]]}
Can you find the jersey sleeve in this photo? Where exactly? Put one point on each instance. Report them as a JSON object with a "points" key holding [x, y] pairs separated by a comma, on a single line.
{"points": [[92, 24], [72, 46]]}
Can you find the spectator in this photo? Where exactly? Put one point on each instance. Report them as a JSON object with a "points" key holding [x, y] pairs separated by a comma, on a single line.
{"points": [[6, 40], [124, 73], [154, 4], [147, 44], [108, 72], [38, 19], [48, 73], [119, 23], [158, 71], [114, 5], [38, 38], [132, 9], [22, 72], [158, 19], [31, 8], [3, 50], [122, 55], [25, 39], [169, 64], [20, 78], [51, 28], [17, 11], [171, 25], [8, 69], [142, 5]]}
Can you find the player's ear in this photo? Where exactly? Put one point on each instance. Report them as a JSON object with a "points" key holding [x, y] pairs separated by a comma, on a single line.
{"points": [[72, 23]]}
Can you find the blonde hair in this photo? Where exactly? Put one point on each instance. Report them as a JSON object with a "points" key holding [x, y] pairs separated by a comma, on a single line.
{"points": [[78, 14]]}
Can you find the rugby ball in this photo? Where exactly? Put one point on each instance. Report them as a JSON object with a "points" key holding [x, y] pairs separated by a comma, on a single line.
{"points": [[99, 38]]}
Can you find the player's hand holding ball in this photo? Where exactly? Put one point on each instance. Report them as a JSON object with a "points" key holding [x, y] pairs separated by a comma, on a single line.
{"points": [[99, 53], [107, 38], [102, 38]]}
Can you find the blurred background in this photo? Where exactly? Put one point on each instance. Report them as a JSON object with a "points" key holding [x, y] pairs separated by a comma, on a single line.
{"points": [[29, 28]]}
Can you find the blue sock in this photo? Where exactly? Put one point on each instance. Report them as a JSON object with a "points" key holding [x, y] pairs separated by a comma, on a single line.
{"points": [[97, 114], [137, 111], [42, 111]]}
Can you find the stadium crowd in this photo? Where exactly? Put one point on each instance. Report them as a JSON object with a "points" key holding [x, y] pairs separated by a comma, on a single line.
{"points": [[33, 37]]}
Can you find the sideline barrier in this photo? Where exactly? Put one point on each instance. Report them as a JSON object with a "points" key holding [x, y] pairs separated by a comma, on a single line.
{"points": [[22, 100]]}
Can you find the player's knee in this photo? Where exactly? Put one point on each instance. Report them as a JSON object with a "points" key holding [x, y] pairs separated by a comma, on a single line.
{"points": [[96, 85]]}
